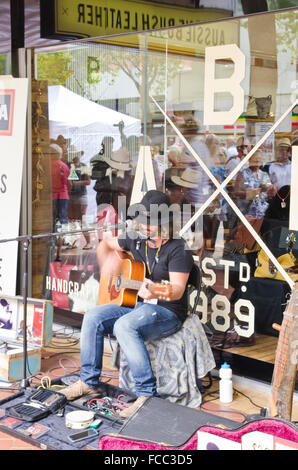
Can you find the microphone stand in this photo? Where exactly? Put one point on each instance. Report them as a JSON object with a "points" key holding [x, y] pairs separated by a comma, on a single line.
{"points": [[25, 241]]}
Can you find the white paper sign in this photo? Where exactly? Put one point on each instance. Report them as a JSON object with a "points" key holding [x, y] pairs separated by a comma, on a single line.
{"points": [[257, 440], [13, 106]]}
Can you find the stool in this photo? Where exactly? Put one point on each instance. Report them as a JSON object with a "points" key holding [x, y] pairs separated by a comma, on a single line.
{"points": [[178, 362]]}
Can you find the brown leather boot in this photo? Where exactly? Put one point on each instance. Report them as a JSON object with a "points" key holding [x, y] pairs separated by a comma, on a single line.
{"points": [[77, 390], [127, 412]]}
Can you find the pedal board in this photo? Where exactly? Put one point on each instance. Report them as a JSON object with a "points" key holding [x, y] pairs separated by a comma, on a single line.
{"points": [[38, 405]]}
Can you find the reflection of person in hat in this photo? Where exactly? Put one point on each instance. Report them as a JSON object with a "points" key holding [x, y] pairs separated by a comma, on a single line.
{"points": [[62, 142], [120, 177], [78, 198], [60, 173], [116, 176], [119, 160], [280, 171], [193, 185], [152, 318], [187, 190]]}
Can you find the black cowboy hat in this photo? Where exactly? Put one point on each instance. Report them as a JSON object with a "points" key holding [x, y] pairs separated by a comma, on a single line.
{"points": [[154, 209]]}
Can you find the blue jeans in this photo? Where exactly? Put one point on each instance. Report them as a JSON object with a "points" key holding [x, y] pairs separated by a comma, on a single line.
{"points": [[60, 211], [131, 326]]}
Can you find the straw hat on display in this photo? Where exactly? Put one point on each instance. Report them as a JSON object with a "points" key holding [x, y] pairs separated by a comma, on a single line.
{"points": [[284, 142], [74, 152], [120, 160], [190, 178]]}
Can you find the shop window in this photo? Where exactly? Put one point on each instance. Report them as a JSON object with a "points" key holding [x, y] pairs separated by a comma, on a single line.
{"points": [[110, 101]]}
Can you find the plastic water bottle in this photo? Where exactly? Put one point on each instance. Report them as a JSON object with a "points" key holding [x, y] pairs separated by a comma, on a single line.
{"points": [[225, 384]]}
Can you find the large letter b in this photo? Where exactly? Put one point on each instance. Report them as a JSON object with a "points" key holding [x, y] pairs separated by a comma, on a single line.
{"points": [[219, 85]]}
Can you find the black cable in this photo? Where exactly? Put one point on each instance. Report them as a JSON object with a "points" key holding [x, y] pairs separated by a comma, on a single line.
{"points": [[246, 396], [242, 393], [228, 411], [221, 411]]}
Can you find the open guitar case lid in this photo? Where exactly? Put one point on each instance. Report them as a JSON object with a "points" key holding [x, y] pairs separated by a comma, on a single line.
{"points": [[159, 422]]}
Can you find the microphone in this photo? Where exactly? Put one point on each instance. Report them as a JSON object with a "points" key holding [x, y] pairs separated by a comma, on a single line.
{"points": [[123, 224]]}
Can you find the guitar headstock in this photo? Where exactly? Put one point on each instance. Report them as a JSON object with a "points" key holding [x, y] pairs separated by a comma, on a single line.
{"points": [[162, 290]]}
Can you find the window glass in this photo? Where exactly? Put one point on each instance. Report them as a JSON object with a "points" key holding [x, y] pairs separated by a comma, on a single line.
{"points": [[202, 112]]}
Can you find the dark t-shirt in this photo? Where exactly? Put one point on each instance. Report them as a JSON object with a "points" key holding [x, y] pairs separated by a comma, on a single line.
{"points": [[173, 256]]}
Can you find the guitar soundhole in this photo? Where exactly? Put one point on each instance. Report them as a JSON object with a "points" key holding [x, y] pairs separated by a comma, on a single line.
{"points": [[118, 283]]}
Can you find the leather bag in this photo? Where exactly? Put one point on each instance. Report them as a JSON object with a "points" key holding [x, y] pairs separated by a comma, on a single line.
{"points": [[259, 107], [243, 237], [266, 268]]}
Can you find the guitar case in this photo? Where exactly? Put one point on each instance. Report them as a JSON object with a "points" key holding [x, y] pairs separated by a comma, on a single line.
{"points": [[274, 426], [161, 421]]}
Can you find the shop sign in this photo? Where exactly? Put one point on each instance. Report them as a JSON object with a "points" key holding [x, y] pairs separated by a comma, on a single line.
{"points": [[13, 105], [196, 38], [6, 111], [92, 18]]}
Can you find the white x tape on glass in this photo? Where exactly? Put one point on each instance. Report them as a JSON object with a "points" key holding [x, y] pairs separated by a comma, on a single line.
{"points": [[220, 187]]}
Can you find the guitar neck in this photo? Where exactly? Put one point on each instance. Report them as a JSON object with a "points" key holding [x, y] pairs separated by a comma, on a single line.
{"points": [[130, 284]]}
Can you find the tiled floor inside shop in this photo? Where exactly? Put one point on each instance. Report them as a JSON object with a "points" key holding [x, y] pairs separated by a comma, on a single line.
{"points": [[62, 357]]}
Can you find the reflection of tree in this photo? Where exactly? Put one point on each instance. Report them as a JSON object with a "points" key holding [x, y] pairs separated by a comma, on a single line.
{"points": [[4, 66], [90, 71], [286, 32], [54, 67], [135, 64]]}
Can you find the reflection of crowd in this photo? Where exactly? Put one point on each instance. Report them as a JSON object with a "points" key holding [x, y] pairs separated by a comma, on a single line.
{"points": [[177, 172], [251, 188]]}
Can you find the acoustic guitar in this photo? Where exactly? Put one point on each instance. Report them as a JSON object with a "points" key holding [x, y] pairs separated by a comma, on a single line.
{"points": [[121, 288], [285, 365]]}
